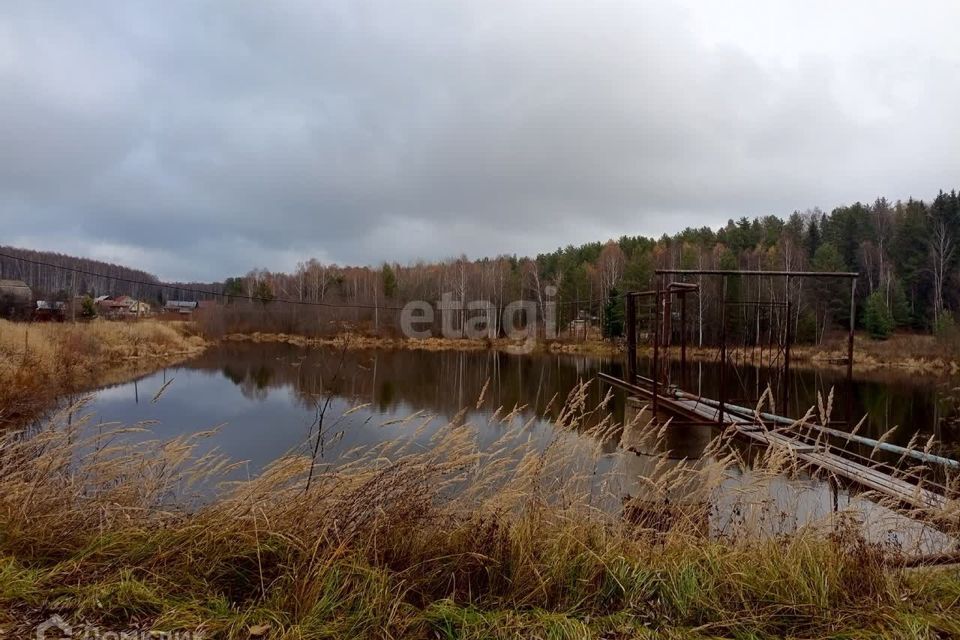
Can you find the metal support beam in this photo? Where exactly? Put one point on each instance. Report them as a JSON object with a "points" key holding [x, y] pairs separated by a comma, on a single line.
{"points": [[631, 313], [683, 338], [723, 350], [655, 374], [853, 319], [735, 272], [785, 406], [667, 333]]}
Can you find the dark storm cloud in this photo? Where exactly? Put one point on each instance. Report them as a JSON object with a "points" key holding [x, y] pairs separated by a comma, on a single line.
{"points": [[200, 141]]}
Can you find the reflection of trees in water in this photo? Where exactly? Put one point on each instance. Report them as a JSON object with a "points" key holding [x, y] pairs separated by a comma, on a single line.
{"points": [[254, 381], [446, 381], [915, 407], [915, 404], [387, 395], [443, 382], [234, 374]]}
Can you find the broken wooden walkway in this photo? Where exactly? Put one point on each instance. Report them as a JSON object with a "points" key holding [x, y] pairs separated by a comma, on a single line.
{"points": [[923, 502]]}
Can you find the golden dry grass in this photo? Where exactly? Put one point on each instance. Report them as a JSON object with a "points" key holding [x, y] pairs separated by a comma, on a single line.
{"points": [[448, 541], [41, 361]]}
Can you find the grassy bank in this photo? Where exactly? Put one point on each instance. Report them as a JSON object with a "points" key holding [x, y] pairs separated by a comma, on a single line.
{"points": [[447, 541], [357, 340], [907, 352], [41, 362]]}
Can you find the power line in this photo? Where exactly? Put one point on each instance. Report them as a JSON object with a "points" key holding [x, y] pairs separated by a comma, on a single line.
{"points": [[236, 296]]}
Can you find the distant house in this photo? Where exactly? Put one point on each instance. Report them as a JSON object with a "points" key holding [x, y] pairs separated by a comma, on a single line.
{"points": [[15, 299], [181, 307], [50, 311], [108, 307], [133, 306], [140, 308]]}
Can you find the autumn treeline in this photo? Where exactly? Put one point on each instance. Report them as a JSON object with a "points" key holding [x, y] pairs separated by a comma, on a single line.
{"points": [[55, 276], [905, 253]]}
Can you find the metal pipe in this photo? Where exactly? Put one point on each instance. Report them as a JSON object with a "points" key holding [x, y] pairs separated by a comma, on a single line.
{"points": [[734, 272], [749, 414], [631, 304], [758, 303], [870, 442]]}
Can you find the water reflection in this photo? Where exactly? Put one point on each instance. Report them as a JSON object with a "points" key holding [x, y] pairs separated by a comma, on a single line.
{"points": [[391, 382], [266, 396], [923, 405], [267, 393]]}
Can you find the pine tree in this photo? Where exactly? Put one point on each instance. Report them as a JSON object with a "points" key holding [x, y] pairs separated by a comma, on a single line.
{"points": [[877, 318], [262, 292], [813, 238], [613, 315], [88, 308], [389, 281], [899, 305], [233, 288]]}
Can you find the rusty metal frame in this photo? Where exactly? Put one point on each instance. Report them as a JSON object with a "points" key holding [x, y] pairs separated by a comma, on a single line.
{"points": [[663, 294]]}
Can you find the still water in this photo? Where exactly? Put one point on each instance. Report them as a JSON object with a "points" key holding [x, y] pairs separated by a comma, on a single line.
{"points": [[264, 399], [266, 395]]}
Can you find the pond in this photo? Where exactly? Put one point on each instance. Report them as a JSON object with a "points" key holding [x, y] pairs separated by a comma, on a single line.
{"points": [[265, 400]]}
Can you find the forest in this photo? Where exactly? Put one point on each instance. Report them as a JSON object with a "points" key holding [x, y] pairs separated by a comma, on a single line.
{"points": [[905, 252], [55, 276]]}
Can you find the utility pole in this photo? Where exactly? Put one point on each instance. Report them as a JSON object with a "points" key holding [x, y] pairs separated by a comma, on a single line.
{"points": [[73, 299]]}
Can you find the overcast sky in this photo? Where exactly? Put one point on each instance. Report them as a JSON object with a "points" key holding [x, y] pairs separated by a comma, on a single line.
{"points": [[198, 140]]}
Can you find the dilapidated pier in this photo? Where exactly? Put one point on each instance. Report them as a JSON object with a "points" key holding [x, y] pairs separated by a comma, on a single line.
{"points": [[839, 453]]}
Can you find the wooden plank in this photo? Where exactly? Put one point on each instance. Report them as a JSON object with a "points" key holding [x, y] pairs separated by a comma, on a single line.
{"points": [[900, 490]]}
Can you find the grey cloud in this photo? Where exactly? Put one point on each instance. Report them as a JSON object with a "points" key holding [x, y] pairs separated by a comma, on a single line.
{"points": [[216, 138]]}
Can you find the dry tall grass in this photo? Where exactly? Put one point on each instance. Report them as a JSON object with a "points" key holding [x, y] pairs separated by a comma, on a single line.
{"points": [[39, 362], [447, 541]]}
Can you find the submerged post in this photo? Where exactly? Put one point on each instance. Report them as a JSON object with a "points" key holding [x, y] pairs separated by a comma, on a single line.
{"points": [[683, 338], [631, 302], [667, 316], [723, 350], [656, 346], [785, 406], [853, 319]]}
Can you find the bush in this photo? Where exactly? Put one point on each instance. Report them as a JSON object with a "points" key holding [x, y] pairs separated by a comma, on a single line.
{"points": [[87, 308], [947, 335], [946, 326]]}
